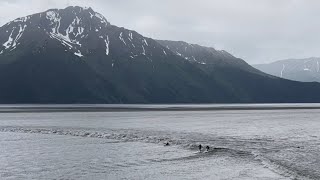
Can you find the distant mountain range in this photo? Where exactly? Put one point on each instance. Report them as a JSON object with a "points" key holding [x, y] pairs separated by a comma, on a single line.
{"points": [[305, 70], [75, 55]]}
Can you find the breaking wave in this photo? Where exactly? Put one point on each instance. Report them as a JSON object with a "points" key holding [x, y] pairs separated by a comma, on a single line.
{"points": [[253, 149]]}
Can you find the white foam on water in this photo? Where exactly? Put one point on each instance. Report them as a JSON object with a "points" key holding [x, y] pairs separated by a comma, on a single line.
{"points": [[57, 156], [260, 144]]}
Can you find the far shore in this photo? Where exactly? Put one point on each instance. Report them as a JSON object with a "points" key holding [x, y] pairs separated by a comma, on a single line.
{"points": [[146, 107]]}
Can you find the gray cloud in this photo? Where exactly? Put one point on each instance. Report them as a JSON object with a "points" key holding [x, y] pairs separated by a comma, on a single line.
{"points": [[257, 31]]}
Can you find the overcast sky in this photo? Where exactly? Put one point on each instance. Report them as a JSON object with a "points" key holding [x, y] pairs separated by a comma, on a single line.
{"points": [[256, 30]]}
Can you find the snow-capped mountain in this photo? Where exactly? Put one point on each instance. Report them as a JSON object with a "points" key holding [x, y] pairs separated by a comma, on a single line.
{"points": [[72, 32], [79, 30], [305, 70], [75, 55]]}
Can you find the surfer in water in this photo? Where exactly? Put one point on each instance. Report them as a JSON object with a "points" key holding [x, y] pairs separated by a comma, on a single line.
{"points": [[207, 148], [200, 147], [167, 144]]}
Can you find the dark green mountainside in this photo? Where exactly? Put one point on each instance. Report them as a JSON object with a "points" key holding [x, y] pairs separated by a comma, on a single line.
{"points": [[75, 55]]}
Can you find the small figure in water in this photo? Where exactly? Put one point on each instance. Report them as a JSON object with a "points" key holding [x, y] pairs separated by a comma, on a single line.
{"points": [[167, 144], [200, 147], [207, 148]]}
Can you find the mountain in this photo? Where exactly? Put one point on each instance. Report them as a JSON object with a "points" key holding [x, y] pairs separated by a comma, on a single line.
{"points": [[305, 70], [74, 55], [206, 56], [245, 82]]}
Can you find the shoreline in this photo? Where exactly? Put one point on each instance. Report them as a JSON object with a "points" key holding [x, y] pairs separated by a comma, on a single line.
{"points": [[39, 109]]}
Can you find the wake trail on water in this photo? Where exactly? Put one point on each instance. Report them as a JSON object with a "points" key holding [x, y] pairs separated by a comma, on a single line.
{"points": [[253, 149]]}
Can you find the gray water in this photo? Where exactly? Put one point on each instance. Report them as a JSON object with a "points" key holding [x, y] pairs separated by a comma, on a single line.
{"points": [[245, 144]]}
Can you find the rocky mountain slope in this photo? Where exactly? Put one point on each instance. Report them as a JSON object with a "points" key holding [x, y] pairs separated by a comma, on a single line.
{"points": [[75, 55]]}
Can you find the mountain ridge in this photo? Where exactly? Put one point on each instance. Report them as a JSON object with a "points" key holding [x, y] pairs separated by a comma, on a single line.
{"points": [[74, 55], [305, 70]]}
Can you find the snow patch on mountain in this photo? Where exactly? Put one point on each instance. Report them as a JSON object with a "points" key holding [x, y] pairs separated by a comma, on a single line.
{"points": [[79, 31], [164, 52], [194, 58], [121, 38], [102, 18], [283, 68], [8, 43], [21, 30], [68, 37], [107, 45], [78, 54], [91, 15], [143, 50], [14, 37], [78, 20], [70, 28], [55, 33], [145, 42], [22, 19], [179, 54], [52, 15]]}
